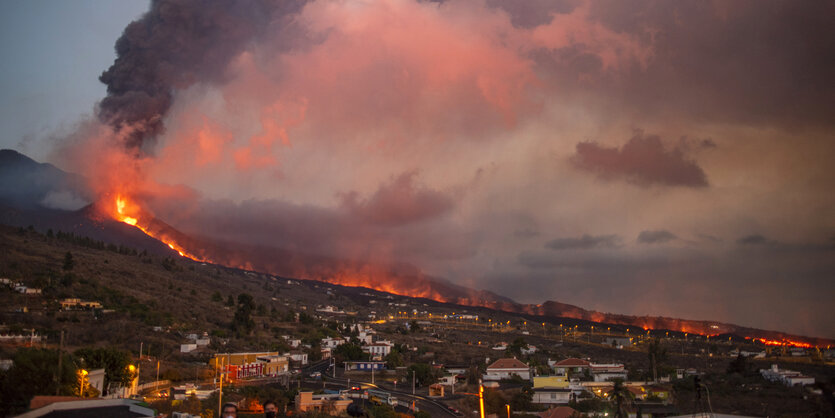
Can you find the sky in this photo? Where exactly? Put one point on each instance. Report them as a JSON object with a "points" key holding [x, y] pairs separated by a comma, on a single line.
{"points": [[641, 157]]}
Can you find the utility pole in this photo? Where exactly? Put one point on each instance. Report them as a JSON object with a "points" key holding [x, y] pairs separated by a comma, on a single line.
{"points": [[220, 392], [413, 383], [138, 365], [60, 356]]}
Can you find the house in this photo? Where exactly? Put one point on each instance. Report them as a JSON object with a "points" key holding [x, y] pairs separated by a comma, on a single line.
{"points": [[607, 372], [572, 365], [506, 368], [786, 377], [292, 342], [457, 369], [187, 348], [332, 342], [324, 403], [222, 359], [95, 379], [550, 382], [27, 290], [559, 412], [274, 365], [529, 350], [298, 357], [657, 391], [364, 366], [76, 303], [378, 350], [552, 396]]}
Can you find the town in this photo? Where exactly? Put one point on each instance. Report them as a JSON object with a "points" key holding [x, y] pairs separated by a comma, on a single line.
{"points": [[195, 331]]}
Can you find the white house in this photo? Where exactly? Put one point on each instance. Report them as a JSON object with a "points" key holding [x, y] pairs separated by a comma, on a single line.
{"points": [[552, 396], [530, 350], [298, 357], [379, 349], [332, 342], [506, 368], [187, 348], [607, 372], [574, 365], [786, 377]]}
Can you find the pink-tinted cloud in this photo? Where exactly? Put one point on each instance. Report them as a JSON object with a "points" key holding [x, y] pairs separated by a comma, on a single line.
{"points": [[643, 160], [399, 202]]}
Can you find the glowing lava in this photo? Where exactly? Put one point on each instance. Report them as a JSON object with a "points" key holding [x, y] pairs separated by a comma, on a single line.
{"points": [[784, 342], [123, 207]]}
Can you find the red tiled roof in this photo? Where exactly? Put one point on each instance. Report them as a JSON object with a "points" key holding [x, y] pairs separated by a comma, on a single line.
{"points": [[559, 412], [507, 363], [572, 362]]}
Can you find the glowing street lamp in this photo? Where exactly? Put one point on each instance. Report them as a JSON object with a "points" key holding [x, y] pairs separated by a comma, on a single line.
{"points": [[82, 376]]}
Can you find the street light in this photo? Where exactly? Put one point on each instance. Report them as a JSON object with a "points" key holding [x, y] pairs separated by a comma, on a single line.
{"points": [[82, 375]]}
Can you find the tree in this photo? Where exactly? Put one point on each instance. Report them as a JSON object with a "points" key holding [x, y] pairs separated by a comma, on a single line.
{"points": [[349, 352], [230, 301], [515, 348], [621, 396], [33, 373], [739, 365], [242, 322], [217, 297], [657, 354], [423, 373], [68, 262], [116, 364], [394, 360]]}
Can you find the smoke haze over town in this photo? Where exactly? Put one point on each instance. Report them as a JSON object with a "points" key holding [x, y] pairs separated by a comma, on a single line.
{"points": [[642, 158]]}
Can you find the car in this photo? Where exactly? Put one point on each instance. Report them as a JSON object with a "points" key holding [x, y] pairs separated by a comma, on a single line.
{"points": [[316, 375]]}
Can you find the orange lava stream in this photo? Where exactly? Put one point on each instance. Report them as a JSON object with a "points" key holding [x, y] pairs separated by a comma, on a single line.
{"points": [[784, 342], [122, 207]]}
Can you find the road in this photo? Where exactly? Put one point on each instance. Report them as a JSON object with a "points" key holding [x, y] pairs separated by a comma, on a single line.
{"points": [[433, 407]]}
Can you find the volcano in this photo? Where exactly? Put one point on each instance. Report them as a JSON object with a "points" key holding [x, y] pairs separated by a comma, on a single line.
{"points": [[26, 184]]}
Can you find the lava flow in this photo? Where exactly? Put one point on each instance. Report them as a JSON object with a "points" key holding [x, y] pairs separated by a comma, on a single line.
{"points": [[411, 282], [124, 210]]}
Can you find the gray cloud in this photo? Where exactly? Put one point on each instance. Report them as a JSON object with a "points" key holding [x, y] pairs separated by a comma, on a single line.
{"points": [[656, 237], [754, 239], [398, 202], [585, 242], [174, 45], [643, 160]]}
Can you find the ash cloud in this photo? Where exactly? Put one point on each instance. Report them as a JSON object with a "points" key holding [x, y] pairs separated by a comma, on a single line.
{"points": [[398, 202], [656, 237], [175, 44], [643, 160], [585, 242]]}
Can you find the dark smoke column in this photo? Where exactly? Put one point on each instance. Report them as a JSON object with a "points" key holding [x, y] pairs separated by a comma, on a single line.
{"points": [[175, 44]]}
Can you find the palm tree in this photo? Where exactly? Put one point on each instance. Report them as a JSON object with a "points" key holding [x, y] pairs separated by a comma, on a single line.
{"points": [[621, 396]]}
